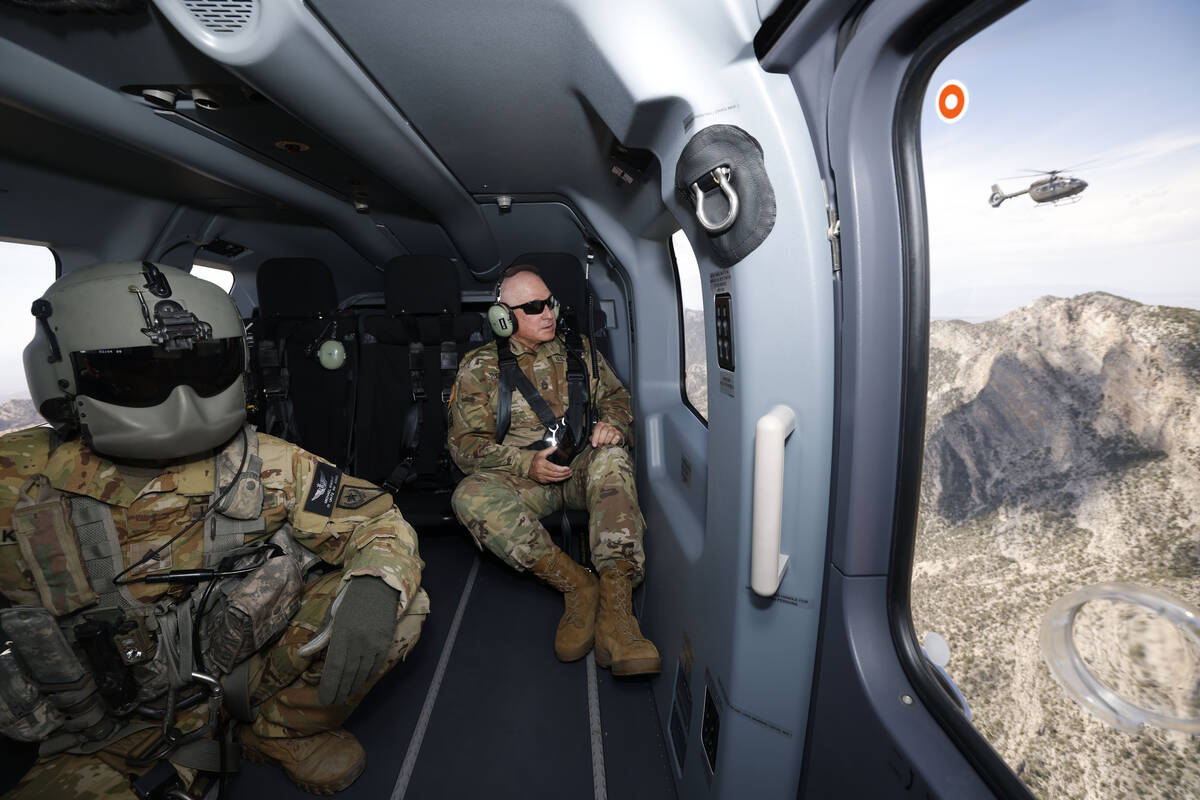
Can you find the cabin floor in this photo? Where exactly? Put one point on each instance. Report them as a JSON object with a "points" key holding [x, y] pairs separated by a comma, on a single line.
{"points": [[482, 708]]}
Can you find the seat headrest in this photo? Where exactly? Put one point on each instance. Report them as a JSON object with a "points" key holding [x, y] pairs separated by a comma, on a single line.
{"points": [[562, 272], [421, 285], [295, 287]]}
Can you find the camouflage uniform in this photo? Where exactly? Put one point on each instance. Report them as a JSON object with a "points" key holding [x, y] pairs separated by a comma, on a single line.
{"points": [[362, 533], [499, 503]]}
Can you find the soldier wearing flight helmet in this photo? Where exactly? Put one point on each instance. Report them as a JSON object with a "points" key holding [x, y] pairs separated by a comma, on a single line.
{"points": [[164, 569]]}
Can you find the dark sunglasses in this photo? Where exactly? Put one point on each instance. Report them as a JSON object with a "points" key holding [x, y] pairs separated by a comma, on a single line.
{"points": [[534, 307]]}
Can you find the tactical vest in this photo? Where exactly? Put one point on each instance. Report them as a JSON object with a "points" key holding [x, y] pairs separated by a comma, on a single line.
{"points": [[86, 667]]}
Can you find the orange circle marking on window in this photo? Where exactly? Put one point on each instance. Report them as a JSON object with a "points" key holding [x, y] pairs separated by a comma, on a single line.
{"points": [[951, 101]]}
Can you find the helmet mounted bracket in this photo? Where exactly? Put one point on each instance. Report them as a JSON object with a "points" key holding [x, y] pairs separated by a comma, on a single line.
{"points": [[171, 325]]}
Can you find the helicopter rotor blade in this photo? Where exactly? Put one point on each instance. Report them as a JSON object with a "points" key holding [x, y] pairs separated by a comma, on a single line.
{"points": [[1024, 176], [1080, 164], [1058, 171]]}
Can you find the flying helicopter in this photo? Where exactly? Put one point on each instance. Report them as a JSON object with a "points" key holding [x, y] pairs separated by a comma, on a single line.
{"points": [[1052, 188]]}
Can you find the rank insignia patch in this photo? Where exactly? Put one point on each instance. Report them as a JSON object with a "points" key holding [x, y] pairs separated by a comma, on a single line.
{"points": [[352, 497]]}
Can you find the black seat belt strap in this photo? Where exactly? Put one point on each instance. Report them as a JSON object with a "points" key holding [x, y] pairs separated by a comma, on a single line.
{"points": [[416, 370], [504, 392], [405, 471], [531, 395], [512, 376], [577, 391], [577, 387]]}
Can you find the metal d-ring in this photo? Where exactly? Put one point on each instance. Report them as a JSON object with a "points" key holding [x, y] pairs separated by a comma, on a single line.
{"points": [[723, 177]]}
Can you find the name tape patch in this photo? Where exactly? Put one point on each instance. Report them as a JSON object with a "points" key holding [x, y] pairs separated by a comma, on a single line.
{"points": [[324, 490]]}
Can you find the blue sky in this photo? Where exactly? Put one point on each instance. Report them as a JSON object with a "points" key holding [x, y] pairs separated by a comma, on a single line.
{"points": [[27, 270], [1053, 84]]}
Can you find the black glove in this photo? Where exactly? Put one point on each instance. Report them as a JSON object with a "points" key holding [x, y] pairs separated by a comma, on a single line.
{"points": [[362, 634]]}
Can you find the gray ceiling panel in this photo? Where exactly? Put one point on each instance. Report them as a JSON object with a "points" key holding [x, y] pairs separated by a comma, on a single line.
{"points": [[62, 149], [500, 90], [113, 50]]}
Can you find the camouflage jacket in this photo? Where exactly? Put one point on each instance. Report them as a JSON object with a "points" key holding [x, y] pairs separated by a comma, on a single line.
{"points": [[472, 435], [346, 521]]}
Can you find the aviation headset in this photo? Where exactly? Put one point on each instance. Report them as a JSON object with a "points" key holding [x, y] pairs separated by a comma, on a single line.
{"points": [[500, 315]]}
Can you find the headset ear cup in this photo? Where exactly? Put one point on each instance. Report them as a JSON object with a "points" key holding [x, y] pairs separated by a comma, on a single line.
{"points": [[502, 320]]}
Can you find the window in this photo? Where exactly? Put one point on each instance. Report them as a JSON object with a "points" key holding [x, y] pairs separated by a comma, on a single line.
{"points": [[214, 274], [27, 269], [691, 317], [1062, 435]]}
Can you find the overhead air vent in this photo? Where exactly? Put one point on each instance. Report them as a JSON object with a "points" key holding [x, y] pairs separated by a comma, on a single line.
{"points": [[78, 6], [222, 16]]}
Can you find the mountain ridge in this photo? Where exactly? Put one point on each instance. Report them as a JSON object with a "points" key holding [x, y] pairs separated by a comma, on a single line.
{"points": [[1062, 449], [17, 414]]}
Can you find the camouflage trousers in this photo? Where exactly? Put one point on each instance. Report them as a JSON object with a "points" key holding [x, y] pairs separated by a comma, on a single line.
{"points": [[283, 685], [502, 510]]}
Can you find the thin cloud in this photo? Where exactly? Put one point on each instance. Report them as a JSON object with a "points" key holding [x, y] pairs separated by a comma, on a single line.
{"points": [[1147, 151], [1135, 231]]}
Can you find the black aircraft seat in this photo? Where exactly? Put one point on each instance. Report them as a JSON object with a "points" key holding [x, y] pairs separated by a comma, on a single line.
{"points": [[409, 356], [298, 399], [564, 275]]}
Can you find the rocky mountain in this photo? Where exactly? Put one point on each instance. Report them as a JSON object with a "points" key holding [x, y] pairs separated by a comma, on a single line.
{"points": [[1063, 449], [695, 368], [18, 414]]}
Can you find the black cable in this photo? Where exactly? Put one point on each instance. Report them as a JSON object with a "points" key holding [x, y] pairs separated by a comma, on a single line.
{"points": [[153, 554], [166, 742], [196, 624], [198, 246], [214, 575], [180, 705]]}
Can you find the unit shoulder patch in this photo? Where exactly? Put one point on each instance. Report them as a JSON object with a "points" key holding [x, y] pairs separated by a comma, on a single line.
{"points": [[324, 489]]}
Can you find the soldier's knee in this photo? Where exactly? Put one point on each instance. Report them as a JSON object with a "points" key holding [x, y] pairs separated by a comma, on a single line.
{"points": [[609, 460], [408, 627], [465, 500], [479, 496], [460, 499]]}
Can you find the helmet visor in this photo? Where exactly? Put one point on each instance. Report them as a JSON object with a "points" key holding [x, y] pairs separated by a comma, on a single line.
{"points": [[146, 375]]}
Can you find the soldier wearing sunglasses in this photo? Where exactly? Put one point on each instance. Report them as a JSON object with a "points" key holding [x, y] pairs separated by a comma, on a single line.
{"points": [[509, 487]]}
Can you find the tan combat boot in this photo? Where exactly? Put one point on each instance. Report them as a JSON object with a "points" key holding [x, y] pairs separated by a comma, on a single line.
{"points": [[323, 763], [577, 628], [619, 641]]}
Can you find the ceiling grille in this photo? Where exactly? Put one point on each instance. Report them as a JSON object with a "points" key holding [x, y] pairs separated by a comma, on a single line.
{"points": [[222, 16]]}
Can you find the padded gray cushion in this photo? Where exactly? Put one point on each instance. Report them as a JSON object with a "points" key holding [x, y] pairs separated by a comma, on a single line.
{"points": [[295, 287], [421, 285]]}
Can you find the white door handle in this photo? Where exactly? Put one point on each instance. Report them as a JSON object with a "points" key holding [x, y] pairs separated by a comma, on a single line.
{"points": [[767, 564]]}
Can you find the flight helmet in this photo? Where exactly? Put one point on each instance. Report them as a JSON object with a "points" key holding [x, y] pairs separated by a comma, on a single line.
{"points": [[145, 361]]}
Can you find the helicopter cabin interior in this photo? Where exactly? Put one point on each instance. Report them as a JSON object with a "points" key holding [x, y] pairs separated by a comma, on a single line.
{"points": [[364, 171]]}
